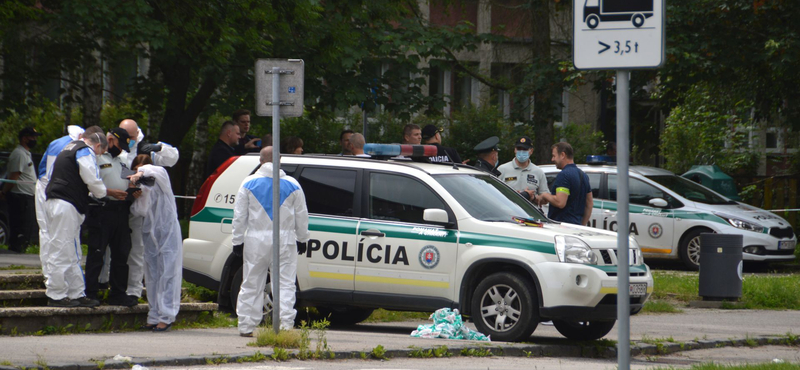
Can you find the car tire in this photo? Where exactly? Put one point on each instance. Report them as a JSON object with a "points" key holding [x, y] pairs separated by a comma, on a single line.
{"points": [[583, 330], [495, 296], [236, 285], [689, 248], [4, 233], [345, 315]]}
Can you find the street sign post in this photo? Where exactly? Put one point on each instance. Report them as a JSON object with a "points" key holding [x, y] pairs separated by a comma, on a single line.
{"points": [[621, 35], [274, 100], [618, 34]]}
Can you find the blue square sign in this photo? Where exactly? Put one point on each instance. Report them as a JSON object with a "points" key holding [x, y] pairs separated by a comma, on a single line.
{"points": [[291, 89]]}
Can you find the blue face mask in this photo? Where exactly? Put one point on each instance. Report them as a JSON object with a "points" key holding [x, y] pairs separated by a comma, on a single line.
{"points": [[131, 144], [522, 156]]}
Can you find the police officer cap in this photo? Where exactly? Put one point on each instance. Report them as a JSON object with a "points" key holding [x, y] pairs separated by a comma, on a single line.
{"points": [[122, 136], [28, 131], [523, 142], [430, 131], [487, 145]]}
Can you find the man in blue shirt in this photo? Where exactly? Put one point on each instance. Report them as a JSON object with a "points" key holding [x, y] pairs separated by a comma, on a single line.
{"points": [[571, 196]]}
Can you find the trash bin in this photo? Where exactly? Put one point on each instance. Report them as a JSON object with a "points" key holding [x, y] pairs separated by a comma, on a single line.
{"points": [[711, 176], [720, 267]]}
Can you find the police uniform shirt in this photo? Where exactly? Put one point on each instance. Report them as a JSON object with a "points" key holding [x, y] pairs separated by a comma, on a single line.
{"points": [[111, 172], [445, 155], [20, 161], [530, 177]]}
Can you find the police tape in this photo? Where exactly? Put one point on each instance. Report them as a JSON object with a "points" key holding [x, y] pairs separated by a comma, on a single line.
{"points": [[34, 182]]}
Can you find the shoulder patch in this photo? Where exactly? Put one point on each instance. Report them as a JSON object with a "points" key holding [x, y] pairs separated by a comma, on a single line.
{"points": [[507, 179], [105, 165]]}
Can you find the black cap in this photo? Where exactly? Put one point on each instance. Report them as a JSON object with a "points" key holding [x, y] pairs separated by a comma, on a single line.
{"points": [[430, 131], [523, 142], [122, 136], [487, 145], [28, 131]]}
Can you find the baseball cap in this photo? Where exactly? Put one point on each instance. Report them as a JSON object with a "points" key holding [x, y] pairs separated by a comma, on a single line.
{"points": [[523, 142], [430, 131], [28, 131], [122, 136]]}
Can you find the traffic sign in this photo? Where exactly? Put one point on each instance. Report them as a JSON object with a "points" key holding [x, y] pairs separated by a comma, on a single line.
{"points": [[292, 72], [618, 34]]}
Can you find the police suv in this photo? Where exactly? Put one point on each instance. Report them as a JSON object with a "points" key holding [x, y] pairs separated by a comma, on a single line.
{"points": [[410, 236], [668, 213]]}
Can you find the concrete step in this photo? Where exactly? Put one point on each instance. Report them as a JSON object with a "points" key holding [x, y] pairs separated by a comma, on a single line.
{"points": [[21, 281], [37, 297], [52, 320]]}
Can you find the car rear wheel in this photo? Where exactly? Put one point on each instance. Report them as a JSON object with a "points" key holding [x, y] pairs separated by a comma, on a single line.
{"points": [[689, 249], [4, 233], [345, 315], [236, 285], [583, 330], [504, 308]]}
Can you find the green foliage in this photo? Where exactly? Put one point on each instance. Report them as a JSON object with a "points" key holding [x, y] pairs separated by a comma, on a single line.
{"points": [[198, 293], [279, 354], [379, 353], [217, 360], [42, 114], [436, 352], [471, 125], [381, 315], [583, 138], [265, 336], [709, 127], [207, 319], [476, 352], [659, 306], [256, 357]]}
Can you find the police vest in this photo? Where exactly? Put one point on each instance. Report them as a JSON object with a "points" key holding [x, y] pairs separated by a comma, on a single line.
{"points": [[66, 182]]}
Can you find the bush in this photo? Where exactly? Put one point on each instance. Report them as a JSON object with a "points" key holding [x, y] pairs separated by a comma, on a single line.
{"points": [[471, 125], [43, 115], [709, 127], [583, 138]]}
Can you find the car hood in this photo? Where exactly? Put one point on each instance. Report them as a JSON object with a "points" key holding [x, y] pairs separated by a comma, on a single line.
{"points": [[596, 239], [745, 212]]}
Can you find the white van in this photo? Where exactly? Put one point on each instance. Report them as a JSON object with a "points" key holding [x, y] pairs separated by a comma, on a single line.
{"points": [[402, 235]]}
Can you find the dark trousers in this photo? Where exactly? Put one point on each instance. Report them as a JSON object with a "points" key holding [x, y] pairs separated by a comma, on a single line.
{"points": [[107, 225], [22, 221]]}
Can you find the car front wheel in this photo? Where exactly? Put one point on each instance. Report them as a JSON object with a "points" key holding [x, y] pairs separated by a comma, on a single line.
{"points": [[504, 308], [689, 249]]}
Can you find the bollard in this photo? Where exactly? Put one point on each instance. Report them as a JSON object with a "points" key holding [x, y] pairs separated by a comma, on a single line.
{"points": [[720, 267]]}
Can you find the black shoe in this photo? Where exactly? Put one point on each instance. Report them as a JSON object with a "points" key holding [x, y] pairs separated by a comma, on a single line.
{"points": [[127, 301], [63, 302], [166, 328], [87, 302], [248, 335]]}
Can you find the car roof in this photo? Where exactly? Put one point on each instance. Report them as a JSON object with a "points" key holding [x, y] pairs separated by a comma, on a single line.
{"points": [[641, 170], [373, 163]]}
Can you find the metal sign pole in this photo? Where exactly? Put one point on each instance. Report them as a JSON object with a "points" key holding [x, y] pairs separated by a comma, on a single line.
{"points": [[623, 276], [276, 219]]}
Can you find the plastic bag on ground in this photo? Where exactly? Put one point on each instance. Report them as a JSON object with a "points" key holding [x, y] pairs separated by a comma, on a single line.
{"points": [[447, 324]]}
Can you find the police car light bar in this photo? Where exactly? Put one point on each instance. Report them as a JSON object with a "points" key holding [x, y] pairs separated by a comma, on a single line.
{"points": [[601, 159], [393, 150]]}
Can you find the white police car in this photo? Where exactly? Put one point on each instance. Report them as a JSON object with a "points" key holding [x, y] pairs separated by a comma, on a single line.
{"points": [[668, 213], [402, 235]]}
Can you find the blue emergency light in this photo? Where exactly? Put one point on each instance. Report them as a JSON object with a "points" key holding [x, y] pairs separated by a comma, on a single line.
{"points": [[393, 150]]}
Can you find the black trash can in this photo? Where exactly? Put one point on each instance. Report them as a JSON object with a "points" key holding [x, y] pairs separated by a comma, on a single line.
{"points": [[720, 267]]}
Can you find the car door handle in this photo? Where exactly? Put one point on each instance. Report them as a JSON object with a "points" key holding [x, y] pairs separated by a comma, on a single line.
{"points": [[372, 233]]}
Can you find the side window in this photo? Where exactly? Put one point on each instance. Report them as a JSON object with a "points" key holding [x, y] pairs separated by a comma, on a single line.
{"points": [[594, 182], [399, 198], [551, 178], [328, 191], [640, 191]]}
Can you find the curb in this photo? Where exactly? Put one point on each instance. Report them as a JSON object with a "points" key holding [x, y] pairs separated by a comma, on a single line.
{"points": [[588, 350]]}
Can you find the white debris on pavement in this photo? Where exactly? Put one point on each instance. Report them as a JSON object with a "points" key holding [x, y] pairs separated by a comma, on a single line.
{"points": [[447, 324]]}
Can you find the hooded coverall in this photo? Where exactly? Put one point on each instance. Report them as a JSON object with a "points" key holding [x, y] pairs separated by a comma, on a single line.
{"points": [[252, 225], [163, 247]]}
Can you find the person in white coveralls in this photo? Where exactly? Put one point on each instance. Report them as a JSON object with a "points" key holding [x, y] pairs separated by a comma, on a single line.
{"points": [[252, 238]]}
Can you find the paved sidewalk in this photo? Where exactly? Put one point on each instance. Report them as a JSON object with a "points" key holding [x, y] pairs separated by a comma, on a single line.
{"points": [[710, 327]]}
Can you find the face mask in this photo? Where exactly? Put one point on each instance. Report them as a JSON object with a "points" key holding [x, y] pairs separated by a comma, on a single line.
{"points": [[31, 143], [523, 155], [114, 151], [131, 144]]}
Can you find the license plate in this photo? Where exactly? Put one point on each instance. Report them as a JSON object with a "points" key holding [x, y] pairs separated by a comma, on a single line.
{"points": [[637, 290], [787, 244]]}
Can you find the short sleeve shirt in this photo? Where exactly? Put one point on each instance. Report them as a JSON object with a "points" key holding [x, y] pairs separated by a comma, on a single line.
{"points": [[20, 161], [530, 177], [575, 183]]}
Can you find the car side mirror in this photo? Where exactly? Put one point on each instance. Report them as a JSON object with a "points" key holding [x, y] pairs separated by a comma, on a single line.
{"points": [[658, 202], [436, 215]]}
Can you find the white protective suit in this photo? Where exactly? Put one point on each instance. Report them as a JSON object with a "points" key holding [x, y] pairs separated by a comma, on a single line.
{"points": [[163, 247], [45, 167], [62, 257], [252, 225], [167, 157]]}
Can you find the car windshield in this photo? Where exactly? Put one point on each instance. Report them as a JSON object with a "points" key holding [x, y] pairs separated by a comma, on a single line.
{"points": [[690, 189], [487, 199]]}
